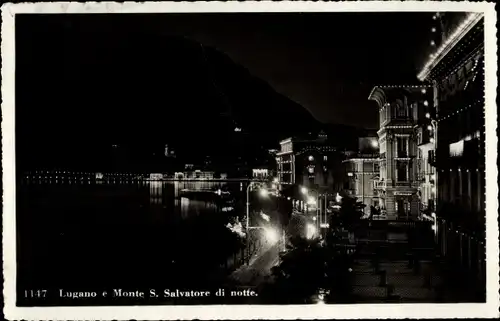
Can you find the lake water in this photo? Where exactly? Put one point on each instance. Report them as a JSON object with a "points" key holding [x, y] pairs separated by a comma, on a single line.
{"points": [[78, 234]]}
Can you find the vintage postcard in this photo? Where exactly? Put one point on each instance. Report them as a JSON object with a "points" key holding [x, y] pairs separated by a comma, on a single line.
{"points": [[249, 160]]}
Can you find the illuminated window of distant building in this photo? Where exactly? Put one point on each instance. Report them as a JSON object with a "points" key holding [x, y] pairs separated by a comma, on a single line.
{"points": [[311, 170], [311, 158], [325, 158]]}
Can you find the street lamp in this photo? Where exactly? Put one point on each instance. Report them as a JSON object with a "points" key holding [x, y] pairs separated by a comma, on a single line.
{"points": [[263, 192], [303, 190]]}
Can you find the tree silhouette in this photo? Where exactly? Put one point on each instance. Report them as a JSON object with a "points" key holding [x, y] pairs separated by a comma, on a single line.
{"points": [[351, 211]]}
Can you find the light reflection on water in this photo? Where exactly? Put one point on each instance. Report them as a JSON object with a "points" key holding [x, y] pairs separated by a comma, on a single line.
{"points": [[161, 196]]}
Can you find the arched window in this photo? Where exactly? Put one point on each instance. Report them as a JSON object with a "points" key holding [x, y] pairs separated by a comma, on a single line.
{"points": [[400, 107]]}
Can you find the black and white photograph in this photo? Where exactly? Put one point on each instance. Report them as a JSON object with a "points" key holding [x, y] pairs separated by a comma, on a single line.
{"points": [[315, 158]]}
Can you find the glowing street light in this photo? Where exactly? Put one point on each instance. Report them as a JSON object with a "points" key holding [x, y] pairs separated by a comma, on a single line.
{"points": [[427, 115], [263, 192], [310, 231], [271, 235], [374, 143], [303, 190]]}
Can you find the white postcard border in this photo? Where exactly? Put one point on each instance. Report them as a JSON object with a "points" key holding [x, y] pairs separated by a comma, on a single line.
{"points": [[425, 311]]}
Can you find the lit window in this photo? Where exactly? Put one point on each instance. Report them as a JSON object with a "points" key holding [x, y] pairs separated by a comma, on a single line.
{"points": [[325, 158], [457, 149], [311, 170]]}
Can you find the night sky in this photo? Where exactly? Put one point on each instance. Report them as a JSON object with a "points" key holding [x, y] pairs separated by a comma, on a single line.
{"points": [[328, 63], [92, 78]]}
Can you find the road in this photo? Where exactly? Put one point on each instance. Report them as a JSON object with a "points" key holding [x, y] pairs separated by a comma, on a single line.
{"points": [[254, 275], [259, 267]]}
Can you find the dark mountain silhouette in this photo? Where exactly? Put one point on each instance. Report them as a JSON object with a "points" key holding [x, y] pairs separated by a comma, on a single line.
{"points": [[80, 90]]}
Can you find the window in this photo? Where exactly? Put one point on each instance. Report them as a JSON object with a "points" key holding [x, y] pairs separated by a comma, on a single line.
{"points": [[402, 145], [400, 109], [325, 158], [402, 171], [311, 170], [457, 149]]}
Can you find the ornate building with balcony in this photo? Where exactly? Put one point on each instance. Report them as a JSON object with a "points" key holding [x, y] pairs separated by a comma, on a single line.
{"points": [[398, 185], [454, 122], [310, 162], [362, 172]]}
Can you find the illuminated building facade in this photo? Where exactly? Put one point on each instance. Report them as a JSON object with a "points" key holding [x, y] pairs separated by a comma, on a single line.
{"points": [[309, 162], [260, 173], [456, 119], [362, 172], [398, 183], [455, 123]]}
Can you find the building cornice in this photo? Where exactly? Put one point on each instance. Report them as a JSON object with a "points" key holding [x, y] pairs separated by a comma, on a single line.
{"points": [[467, 24]]}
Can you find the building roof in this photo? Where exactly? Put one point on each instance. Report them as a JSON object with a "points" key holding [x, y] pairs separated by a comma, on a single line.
{"points": [[382, 94]]}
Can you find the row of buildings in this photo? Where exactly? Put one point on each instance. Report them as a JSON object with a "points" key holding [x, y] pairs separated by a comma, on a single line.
{"points": [[427, 157]]}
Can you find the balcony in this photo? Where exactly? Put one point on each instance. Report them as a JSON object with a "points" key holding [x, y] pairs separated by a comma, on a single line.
{"points": [[413, 184], [379, 185]]}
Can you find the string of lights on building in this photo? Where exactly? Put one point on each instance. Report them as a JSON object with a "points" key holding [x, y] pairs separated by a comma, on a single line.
{"points": [[467, 24], [445, 64], [461, 110]]}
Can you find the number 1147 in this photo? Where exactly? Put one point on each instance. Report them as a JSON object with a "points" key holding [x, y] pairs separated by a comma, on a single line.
{"points": [[35, 293]]}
